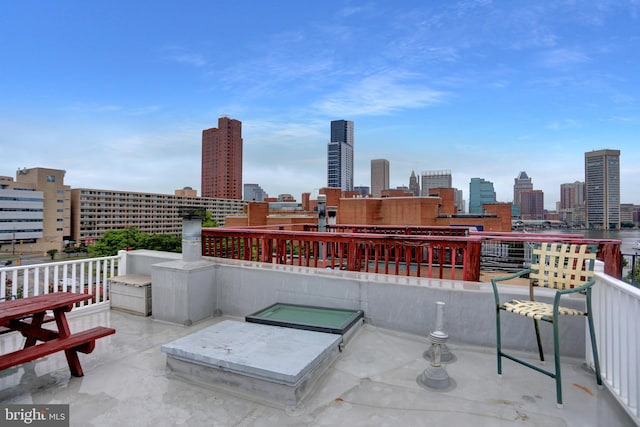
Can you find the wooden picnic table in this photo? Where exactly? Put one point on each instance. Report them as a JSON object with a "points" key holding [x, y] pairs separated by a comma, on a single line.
{"points": [[27, 315]]}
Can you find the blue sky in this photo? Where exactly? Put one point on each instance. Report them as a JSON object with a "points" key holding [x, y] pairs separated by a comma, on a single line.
{"points": [[117, 93]]}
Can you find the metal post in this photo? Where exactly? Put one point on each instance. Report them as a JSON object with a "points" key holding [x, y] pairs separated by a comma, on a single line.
{"points": [[322, 224]]}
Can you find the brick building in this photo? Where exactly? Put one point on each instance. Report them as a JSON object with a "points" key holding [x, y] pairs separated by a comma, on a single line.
{"points": [[420, 211], [222, 160]]}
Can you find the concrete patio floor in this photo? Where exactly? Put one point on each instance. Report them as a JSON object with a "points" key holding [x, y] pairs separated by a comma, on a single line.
{"points": [[372, 383]]}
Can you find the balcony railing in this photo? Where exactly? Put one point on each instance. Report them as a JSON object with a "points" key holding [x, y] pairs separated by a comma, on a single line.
{"points": [[450, 257], [631, 269], [616, 310], [85, 275], [512, 251], [436, 252]]}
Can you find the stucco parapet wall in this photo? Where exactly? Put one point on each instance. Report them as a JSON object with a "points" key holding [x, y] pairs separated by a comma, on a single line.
{"points": [[185, 265], [434, 283], [400, 303]]}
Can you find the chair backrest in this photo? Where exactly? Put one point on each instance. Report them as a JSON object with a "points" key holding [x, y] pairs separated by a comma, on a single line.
{"points": [[561, 265]]}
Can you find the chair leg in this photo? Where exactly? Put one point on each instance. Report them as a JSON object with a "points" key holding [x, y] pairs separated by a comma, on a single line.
{"points": [[498, 341], [556, 357], [537, 328]]}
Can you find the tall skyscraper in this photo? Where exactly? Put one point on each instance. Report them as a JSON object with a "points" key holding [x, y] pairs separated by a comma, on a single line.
{"points": [[414, 185], [222, 160], [521, 183], [602, 183], [571, 195], [480, 192], [340, 155], [435, 179], [379, 176], [532, 204]]}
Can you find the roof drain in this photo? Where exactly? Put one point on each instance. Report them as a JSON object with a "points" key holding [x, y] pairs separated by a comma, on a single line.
{"points": [[435, 377]]}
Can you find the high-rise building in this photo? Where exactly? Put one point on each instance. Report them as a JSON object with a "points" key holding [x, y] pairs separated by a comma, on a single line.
{"points": [[532, 204], [571, 195], [379, 176], [340, 155], [414, 185], [521, 183], [602, 183], [435, 179], [254, 192], [222, 160], [480, 192]]}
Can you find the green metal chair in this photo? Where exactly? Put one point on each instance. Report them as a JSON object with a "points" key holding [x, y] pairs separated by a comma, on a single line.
{"points": [[567, 269]]}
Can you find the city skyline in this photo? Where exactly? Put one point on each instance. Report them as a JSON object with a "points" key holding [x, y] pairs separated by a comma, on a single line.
{"points": [[118, 94]]}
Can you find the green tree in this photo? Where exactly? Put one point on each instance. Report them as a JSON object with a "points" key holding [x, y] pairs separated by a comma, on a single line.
{"points": [[164, 242], [115, 240], [208, 221], [52, 253], [633, 276]]}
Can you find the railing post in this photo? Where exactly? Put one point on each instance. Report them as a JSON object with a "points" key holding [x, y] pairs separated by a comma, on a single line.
{"points": [[351, 255], [267, 253], [472, 260], [322, 225], [612, 257]]}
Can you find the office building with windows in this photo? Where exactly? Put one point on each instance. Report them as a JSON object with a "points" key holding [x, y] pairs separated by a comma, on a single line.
{"points": [[94, 211], [521, 183], [571, 195], [21, 217], [340, 155], [35, 211], [480, 192], [532, 204], [379, 176], [222, 160], [602, 189], [253, 192], [435, 179]]}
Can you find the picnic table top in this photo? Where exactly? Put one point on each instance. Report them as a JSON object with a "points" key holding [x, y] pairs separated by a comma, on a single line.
{"points": [[21, 307]]}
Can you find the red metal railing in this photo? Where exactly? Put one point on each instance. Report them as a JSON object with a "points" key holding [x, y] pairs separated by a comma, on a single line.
{"points": [[442, 252], [454, 257], [608, 249]]}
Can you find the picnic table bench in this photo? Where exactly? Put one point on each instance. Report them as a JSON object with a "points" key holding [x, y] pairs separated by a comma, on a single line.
{"points": [[27, 315]]}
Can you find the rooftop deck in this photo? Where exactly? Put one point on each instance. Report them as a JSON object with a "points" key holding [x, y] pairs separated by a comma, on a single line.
{"points": [[373, 382]]}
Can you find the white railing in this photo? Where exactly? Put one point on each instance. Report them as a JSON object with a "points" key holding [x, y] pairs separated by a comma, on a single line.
{"points": [[88, 275], [616, 312]]}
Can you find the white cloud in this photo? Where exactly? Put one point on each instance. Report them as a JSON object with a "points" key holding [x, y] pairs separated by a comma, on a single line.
{"points": [[194, 59], [563, 124], [563, 58], [378, 95]]}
